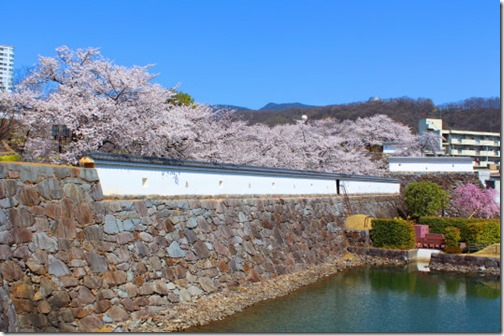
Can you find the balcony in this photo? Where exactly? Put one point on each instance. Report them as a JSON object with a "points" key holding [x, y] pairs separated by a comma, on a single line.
{"points": [[474, 142]]}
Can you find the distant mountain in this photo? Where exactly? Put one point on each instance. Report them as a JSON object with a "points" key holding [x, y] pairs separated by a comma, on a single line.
{"points": [[476, 114], [282, 107], [231, 107]]}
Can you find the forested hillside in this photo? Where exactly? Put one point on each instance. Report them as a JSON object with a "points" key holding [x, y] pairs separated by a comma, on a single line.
{"points": [[478, 114]]}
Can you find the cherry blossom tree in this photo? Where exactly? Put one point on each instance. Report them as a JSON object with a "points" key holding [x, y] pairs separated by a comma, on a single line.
{"points": [[429, 141], [116, 109], [105, 107], [472, 201]]}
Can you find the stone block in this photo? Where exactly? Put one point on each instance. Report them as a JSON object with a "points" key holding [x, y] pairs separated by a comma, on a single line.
{"points": [[47, 287], [68, 281], [22, 235], [129, 305], [59, 299], [66, 228], [112, 225], [84, 214], [11, 271], [21, 217], [131, 289], [96, 262], [92, 282], [160, 287], [43, 242], [57, 267], [75, 193], [124, 237], [114, 277], [50, 189], [8, 202], [67, 208], [22, 291], [5, 252], [207, 284], [36, 267], [174, 250], [141, 301], [88, 174], [146, 289], [89, 323], [118, 314], [28, 195], [85, 297], [201, 250], [44, 307]]}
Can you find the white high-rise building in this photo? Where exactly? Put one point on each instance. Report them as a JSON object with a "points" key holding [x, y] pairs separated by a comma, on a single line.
{"points": [[6, 68]]}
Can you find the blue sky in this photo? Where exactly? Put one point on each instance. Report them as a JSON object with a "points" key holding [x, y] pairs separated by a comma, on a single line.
{"points": [[252, 52]]}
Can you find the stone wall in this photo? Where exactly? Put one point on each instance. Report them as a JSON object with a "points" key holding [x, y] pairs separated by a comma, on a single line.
{"points": [[379, 256], [77, 262], [358, 238], [8, 317], [465, 264]]}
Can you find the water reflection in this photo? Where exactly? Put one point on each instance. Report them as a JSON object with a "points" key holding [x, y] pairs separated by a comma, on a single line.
{"points": [[377, 300]]}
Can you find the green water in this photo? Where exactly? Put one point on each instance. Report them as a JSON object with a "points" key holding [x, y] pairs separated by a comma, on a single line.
{"points": [[377, 300]]}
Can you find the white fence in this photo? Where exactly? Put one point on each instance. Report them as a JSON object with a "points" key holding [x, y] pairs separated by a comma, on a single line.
{"points": [[141, 176], [431, 164]]}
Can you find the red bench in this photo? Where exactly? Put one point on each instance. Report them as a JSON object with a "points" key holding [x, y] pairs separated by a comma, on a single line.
{"points": [[432, 240]]}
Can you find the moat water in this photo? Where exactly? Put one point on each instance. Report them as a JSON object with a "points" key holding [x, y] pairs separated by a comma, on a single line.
{"points": [[377, 300]]}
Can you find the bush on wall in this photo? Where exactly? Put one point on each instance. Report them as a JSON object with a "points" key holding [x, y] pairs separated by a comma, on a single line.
{"points": [[425, 199], [392, 233]]}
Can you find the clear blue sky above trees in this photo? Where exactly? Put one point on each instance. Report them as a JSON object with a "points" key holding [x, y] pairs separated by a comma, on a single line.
{"points": [[251, 52]]}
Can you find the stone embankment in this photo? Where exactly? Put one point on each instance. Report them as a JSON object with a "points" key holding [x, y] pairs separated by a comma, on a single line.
{"points": [[217, 306], [77, 262], [383, 257], [465, 264]]}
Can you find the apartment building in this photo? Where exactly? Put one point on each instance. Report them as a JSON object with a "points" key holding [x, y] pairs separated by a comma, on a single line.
{"points": [[6, 68], [482, 147]]}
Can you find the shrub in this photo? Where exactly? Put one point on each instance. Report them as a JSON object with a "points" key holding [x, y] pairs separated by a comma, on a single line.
{"points": [[484, 233], [470, 200], [467, 234], [425, 198], [452, 239], [392, 233]]}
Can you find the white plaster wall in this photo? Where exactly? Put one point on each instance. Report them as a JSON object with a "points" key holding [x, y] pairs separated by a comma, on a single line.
{"points": [[430, 167], [369, 187], [142, 181]]}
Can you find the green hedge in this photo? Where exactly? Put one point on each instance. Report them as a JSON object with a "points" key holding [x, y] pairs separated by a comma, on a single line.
{"points": [[392, 233], [467, 232], [484, 233]]}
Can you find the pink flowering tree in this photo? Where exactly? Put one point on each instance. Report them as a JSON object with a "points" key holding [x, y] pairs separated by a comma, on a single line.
{"points": [[115, 109], [105, 107], [472, 201]]}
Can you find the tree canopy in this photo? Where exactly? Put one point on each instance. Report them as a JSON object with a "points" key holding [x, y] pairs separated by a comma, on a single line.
{"points": [[111, 108]]}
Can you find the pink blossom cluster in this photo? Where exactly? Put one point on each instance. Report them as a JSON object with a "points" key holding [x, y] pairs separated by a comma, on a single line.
{"points": [[472, 201], [116, 109]]}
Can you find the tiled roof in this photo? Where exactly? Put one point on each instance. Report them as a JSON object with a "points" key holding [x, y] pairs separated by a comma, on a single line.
{"points": [[135, 160]]}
